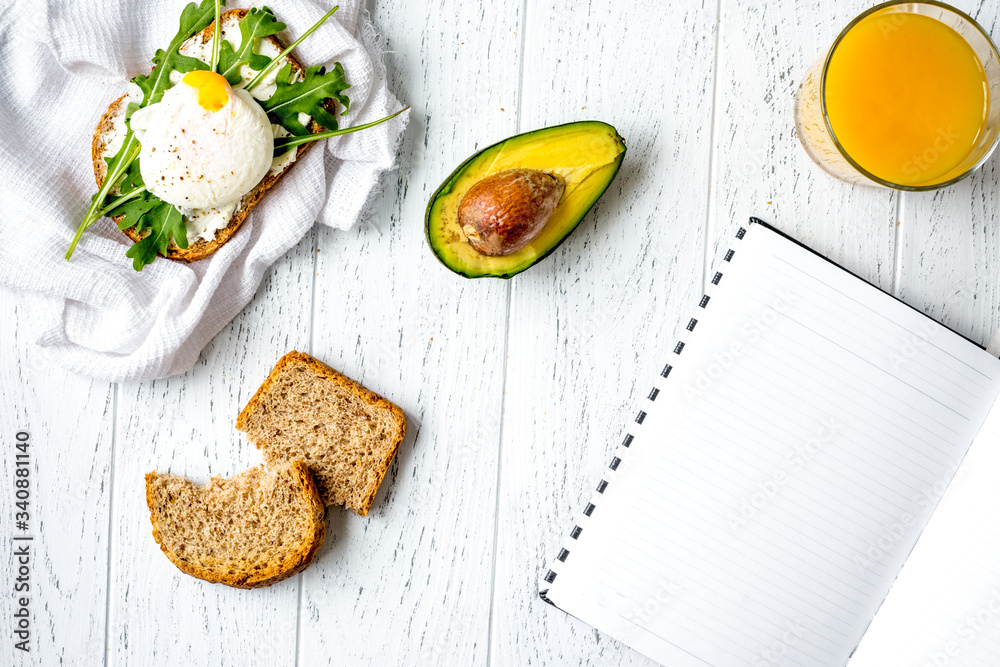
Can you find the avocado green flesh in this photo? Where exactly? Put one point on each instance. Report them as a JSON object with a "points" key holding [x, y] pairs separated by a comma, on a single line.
{"points": [[585, 154]]}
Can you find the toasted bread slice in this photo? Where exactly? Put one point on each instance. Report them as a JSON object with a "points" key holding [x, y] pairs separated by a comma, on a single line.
{"points": [[346, 434], [200, 248], [253, 530]]}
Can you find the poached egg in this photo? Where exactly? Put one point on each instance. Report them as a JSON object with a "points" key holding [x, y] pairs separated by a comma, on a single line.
{"points": [[204, 144]]}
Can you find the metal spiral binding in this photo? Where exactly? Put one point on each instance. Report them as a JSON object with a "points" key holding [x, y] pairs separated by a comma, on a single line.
{"points": [[574, 534]]}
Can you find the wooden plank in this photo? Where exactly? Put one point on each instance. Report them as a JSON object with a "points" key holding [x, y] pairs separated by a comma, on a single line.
{"points": [[949, 253], [589, 325], [413, 578], [949, 245], [759, 166], [185, 425], [69, 420]]}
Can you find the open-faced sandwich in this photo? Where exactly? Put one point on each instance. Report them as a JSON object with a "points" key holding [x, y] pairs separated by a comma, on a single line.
{"points": [[184, 156]]}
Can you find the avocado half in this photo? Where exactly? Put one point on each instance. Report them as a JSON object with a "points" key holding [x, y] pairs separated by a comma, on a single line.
{"points": [[585, 154]]}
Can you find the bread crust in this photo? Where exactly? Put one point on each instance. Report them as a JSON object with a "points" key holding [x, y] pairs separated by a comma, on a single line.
{"points": [[299, 560], [200, 248], [348, 384]]}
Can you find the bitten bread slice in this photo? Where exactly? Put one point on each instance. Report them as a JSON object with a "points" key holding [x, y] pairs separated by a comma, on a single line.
{"points": [[253, 530], [107, 127], [346, 434]]}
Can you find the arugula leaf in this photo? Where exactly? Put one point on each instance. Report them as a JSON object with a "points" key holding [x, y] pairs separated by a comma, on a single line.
{"points": [[292, 97], [118, 166], [258, 23], [216, 35], [144, 210], [158, 81], [280, 59], [194, 19], [164, 222], [133, 209], [129, 181], [283, 144], [131, 178]]}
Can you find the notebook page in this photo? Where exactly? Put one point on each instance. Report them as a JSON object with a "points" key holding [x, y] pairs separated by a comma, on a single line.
{"points": [[944, 609], [781, 472]]}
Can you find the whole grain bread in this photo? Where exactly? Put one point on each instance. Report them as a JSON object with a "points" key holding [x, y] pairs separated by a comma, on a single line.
{"points": [[249, 531], [200, 248], [346, 434]]}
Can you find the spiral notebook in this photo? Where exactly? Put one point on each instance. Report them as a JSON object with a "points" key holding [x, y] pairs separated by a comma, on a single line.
{"points": [[790, 453]]}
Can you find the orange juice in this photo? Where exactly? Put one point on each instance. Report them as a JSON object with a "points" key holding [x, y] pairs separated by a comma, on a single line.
{"points": [[906, 97]]}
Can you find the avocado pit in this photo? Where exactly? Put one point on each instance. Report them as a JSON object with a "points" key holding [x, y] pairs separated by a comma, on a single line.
{"points": [[505, 211]]}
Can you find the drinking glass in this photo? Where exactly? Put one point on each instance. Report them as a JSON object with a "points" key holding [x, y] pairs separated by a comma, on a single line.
{"points": [[817, 134]]}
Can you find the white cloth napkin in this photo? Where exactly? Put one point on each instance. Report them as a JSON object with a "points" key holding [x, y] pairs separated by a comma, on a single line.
{"points": [[61, 64]]}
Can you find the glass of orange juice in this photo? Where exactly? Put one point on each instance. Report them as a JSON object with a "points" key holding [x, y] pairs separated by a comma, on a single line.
{"points": [[908, 97]]}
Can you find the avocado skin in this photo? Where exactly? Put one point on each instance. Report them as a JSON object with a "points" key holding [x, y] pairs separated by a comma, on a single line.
{"points": [[508, 266]]}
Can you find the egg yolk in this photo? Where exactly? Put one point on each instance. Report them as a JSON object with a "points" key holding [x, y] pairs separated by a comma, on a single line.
{"points": [[213, 89]]}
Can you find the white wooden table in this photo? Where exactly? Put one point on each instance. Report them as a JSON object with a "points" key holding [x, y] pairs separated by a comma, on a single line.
{"points": [[516, 391]]}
